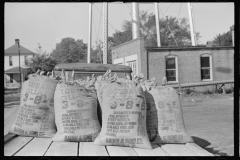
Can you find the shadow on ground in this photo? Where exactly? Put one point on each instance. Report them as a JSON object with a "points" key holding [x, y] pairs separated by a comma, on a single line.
{"points": [[204, 144]]}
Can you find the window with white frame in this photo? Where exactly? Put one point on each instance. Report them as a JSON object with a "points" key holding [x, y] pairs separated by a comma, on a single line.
{"points": [[133, 65], [171, 69], [10, 61], [206, 67]]}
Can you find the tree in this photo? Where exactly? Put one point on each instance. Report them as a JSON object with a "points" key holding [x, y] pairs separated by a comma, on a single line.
{"points": [[42, 61], [224, 39], [70, 51], [173, 31]]}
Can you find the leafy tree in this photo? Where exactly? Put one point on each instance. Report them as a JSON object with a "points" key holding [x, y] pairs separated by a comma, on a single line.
{"points": [[224, 39], [42, 61], [70, 51], [173, 31]]}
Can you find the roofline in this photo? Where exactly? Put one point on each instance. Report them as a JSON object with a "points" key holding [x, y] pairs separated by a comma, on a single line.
{"points": [[126, 43], [157, 49], [16, 54]]}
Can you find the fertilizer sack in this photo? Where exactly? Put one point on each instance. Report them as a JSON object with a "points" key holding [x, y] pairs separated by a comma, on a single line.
{"points": [[36, 112], [123, 116], [164, 116], [76, 112]]}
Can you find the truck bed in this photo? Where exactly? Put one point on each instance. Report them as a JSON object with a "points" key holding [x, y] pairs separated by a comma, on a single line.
{"points": [[30, 146]]}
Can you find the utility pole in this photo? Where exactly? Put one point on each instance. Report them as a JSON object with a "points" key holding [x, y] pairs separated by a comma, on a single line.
{"points": [[191, 24], [105, 31], [89, 34], [157, 25], [19, 66]]}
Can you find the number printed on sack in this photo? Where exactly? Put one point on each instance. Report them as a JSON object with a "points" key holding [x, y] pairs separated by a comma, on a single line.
{"points": [[37, 99], [25, 97], [129, 104]]}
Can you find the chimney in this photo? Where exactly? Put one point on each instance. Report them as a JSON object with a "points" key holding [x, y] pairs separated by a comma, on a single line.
{"points": [[135, 21], [16, 41], [209, 44]]}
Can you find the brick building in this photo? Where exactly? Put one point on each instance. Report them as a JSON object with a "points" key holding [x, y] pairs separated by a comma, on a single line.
{"points": [[184, 64]]}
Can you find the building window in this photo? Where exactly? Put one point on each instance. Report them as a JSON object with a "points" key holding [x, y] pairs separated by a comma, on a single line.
{"points": [[25, 60], [10, 61], [206, 67], [171, 69], [11, 78], [133, 65]]}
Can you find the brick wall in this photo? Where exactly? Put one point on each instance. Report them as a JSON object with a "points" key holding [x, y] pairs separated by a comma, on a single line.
{"points": [[129, 48], [189, 64]]}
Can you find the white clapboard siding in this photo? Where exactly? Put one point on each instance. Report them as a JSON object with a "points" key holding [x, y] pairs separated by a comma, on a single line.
{"points": [[15, 145], [178, 150], [121, 151], [37, 147], [63, 149], [198, 149], [156, 151], [91, 149]]}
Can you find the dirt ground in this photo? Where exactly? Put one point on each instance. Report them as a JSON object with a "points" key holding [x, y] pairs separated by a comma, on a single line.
{"points": [[208, 119]]}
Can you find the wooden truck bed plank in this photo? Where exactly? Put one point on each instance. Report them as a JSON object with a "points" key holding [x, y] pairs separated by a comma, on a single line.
{"points": [[30, 146], [15, 145], [37, 147], [198, 149], [121, 151], [90, 149], [178, 150], [63, 149], [156, 151]]}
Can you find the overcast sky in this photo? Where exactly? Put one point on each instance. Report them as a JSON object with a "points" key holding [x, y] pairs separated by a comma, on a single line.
{"points": [[48, 23]]}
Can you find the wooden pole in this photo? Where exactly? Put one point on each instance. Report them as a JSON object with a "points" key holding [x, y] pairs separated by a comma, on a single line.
{"points": [[20, 72], [89, 34]]}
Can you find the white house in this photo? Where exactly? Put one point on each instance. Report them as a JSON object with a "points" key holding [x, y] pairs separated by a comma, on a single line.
{"points": [[11, 64]]}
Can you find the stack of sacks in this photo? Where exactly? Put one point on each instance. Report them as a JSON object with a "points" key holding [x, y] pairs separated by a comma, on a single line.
{"points": [[36, 113], [75, 104], [123, 112], [164, 114]]}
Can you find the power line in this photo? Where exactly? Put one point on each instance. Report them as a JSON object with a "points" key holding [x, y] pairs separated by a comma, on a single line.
{"points": [[150, 8], [99, 22], [179, 10], [108, 22], [94, 26], [167, 8]]}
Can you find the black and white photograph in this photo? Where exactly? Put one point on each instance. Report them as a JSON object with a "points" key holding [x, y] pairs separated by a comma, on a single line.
{"points": [[119, 79]]}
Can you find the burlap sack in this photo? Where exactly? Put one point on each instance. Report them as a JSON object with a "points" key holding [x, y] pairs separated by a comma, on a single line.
{"points": [[164, 116], [76, 112], [123, 116], [36, 112]]}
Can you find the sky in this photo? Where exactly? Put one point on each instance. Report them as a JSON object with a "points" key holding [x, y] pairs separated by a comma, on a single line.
{"points": [[48, 23]]}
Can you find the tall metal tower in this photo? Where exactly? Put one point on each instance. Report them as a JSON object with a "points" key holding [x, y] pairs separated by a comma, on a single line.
{"points": [[105, 31]]}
